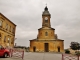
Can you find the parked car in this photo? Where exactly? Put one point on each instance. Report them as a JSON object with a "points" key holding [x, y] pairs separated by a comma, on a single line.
{"points": [[4, 52]]}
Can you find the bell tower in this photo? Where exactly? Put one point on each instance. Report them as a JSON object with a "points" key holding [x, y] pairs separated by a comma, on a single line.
{"points": [[46, 18], [47, 40]]}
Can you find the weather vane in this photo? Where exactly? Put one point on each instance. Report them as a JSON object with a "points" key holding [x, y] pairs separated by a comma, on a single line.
{"points": [[46, 4]]}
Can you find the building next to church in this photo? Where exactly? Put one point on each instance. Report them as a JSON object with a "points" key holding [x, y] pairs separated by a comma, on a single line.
{"points": [[47, 40], [7, 31]]}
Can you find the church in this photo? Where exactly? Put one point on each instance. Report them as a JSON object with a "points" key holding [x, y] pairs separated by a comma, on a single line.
{"points": [[47, 40]]}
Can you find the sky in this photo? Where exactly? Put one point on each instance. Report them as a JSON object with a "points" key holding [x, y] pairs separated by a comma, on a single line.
{"points": [[27, 15]]}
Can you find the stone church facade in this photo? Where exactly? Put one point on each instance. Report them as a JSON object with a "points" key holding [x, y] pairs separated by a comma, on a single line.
{"points": [[46, 40]]}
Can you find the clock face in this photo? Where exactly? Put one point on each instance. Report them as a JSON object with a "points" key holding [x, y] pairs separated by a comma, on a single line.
{"points": [[46, 18]]}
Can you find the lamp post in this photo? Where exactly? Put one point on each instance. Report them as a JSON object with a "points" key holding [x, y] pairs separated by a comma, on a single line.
{"points": [[14, 40]]}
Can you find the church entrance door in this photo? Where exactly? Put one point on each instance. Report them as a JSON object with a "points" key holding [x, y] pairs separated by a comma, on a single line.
{"points": [[46, 47], [34, 49], [58, 49]]}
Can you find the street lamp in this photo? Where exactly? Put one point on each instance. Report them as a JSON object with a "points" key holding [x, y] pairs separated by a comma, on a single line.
{"points": [[14, 40]]}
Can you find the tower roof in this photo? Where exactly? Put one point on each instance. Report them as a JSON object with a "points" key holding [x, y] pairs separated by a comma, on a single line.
{"points": [[46, 12], [46, 9]]}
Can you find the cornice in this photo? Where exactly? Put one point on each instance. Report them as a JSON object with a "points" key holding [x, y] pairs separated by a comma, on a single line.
{"points": [[7, 19], [2, 29]]}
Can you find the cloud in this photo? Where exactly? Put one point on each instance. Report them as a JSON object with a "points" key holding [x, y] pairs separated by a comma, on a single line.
{"points": [[27, 15]]}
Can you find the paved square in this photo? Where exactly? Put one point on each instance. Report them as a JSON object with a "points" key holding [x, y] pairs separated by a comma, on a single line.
{"points": [[37, 56]]}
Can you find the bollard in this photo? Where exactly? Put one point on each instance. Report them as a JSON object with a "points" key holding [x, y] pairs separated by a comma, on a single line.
{"points": [[62, 57], [78, 57], [22, 54], [11, 52]]}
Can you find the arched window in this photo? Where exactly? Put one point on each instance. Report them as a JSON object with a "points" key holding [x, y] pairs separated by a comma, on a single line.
{"points": [[10, 29], [13, 30], [0, 23], [46, 33], [6, 26], [8, 40], [0, 35], [4, 38], [12, 40]]}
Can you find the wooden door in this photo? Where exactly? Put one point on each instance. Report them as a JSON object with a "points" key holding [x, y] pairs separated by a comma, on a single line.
{"points": [[46, 47], [34, 49]]}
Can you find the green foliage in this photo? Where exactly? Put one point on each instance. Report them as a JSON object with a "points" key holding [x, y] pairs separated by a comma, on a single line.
{"points": [[67, 51], [75, 45]]}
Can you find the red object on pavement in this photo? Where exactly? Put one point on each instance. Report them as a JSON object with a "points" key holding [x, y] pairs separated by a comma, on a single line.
{"points": [[4, 52]]}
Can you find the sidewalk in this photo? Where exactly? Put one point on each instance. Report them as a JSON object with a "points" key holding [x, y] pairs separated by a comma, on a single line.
{"points": [[37, 56], [42, 56]]}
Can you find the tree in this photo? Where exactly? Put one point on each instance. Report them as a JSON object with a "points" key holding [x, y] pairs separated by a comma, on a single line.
{"points": [[67, 51], [75, 46]]}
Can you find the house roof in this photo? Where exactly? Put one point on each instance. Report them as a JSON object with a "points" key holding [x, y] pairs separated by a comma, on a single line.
{"points": [[7, 18]]}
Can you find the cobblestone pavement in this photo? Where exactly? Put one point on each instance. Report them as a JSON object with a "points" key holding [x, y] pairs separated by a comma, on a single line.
{"points": [[37, 56]]}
